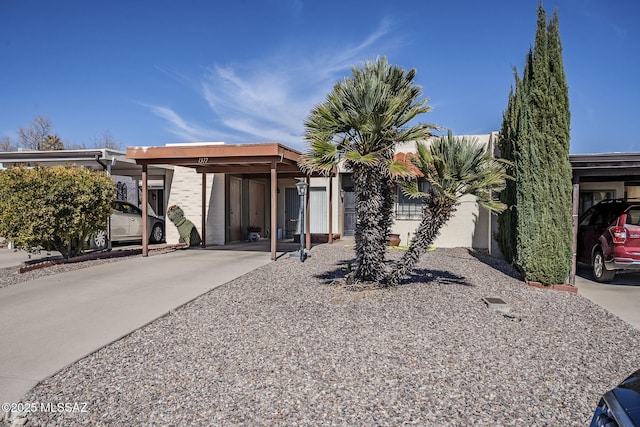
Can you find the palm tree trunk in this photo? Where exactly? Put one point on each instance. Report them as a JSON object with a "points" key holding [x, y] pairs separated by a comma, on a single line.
{"points": [[370, 231], [437, 211]]}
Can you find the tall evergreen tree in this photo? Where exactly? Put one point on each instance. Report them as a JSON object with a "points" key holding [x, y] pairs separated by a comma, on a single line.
{"points": [[507, 221], [535, 231]]}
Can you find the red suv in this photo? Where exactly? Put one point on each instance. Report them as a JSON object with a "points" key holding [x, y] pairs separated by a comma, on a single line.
{"points": [[609, 238]]}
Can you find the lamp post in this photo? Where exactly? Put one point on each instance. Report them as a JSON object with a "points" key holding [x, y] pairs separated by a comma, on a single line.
{"points": [[302, 192]]}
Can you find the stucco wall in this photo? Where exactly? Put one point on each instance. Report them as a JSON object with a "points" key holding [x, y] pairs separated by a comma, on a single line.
{"points": [[468, 228]]}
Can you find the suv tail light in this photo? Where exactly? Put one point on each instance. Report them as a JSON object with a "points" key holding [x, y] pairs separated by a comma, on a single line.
{"points": [[619, 234]]}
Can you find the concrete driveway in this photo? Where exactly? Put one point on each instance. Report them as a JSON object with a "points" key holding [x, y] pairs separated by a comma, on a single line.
{"points": [[51, 322], [620, 297], [14, 258]]}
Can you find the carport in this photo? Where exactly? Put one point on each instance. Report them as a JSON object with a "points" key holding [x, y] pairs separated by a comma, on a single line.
{"points": [[600, 172], [269, 159], [112, 162]]}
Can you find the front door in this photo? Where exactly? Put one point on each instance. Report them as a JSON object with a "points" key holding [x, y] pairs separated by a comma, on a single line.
{"points": [[235, 209], [349, 212], [291, 212], [256, 205]]}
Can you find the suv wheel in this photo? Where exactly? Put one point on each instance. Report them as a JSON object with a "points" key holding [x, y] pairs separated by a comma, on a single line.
{"points": [[600, 273]]}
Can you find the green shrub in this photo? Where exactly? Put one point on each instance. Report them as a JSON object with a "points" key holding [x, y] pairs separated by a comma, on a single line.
{"points": [[535, 232], [53, 208]]}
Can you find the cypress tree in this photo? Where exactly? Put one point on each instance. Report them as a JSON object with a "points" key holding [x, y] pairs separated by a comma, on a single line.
{"points": [[535, 232], [558, 152], [507, 220]]}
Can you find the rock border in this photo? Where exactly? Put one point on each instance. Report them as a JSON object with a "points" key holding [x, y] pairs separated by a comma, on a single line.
{"points": [[560, 287], [95, 256]]}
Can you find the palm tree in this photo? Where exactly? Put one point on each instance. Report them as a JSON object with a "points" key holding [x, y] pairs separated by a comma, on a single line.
{"points": [[362, 120], [452, 167]]}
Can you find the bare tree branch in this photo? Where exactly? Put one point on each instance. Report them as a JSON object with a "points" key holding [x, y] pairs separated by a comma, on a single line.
{"points": [[33, 137]]}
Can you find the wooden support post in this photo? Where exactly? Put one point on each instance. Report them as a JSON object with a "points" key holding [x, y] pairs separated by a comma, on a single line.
{"points": [[330, 207], [274, 206], [145, 213], [574, 227], [203, 240], [307, 224]]}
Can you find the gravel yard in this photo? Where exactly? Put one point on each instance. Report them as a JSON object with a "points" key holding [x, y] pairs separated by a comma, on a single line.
{"points": [[282, 345]]}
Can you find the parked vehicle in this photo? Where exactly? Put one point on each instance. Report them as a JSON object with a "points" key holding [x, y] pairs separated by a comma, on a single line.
{"points": [[620, 406], [609, 238], [126, 225]]}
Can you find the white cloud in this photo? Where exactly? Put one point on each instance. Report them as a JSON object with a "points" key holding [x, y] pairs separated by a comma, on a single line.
{"points": [[268, 99], [181, 128]]}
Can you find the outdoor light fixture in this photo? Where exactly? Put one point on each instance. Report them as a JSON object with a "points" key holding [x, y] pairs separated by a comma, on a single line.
{"points": [[302, 188], [302, 192]]}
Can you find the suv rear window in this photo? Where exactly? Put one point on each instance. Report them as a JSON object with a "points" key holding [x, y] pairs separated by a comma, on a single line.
{"points": [[599, 217], [633, 216], [604, 214]]}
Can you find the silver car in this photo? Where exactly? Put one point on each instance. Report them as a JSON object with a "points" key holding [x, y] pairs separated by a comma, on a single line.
{"points": [[126, 225]]}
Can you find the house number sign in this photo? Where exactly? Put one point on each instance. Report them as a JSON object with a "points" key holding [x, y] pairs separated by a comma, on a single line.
{"points": [[203, 160]]}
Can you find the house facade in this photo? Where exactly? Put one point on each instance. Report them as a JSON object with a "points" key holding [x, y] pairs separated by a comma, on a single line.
{"points": [[255, 185], [226, 204]]}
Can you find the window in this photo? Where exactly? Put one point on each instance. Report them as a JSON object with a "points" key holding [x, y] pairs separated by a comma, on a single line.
{"points": [[590, 198], [407, 207], [633, 217], [126, 208]]}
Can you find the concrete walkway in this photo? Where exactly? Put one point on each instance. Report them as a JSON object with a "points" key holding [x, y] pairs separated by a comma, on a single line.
{"points": [[620, 297], [51, 322]]}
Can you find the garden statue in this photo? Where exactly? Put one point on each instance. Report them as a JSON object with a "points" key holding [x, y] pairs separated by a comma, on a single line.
{"points": [[188, 232]]}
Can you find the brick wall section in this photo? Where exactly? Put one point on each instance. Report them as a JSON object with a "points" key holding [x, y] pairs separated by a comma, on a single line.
{"points": [[185, 190]]}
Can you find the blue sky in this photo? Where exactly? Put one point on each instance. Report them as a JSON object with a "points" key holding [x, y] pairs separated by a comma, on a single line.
{"points": [[151, 72]]}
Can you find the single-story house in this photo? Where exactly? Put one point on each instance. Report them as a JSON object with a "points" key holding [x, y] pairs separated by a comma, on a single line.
{"points": [[223, 189]]}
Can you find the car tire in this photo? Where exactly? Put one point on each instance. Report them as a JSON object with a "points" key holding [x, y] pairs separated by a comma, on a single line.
{"points": [[100, 241], [600, 272], [157, 233]]}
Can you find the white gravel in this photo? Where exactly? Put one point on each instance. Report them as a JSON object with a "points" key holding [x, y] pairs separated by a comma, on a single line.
{"points": [[283, 346]]}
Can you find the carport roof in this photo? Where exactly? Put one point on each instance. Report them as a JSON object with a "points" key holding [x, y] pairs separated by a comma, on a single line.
{"points": [[259, 158], [100, 158], [270, 158], [605, 164]]}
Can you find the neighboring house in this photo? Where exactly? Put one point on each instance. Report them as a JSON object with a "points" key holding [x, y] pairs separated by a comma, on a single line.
{"points": [[605, 176], [124, 172]]}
